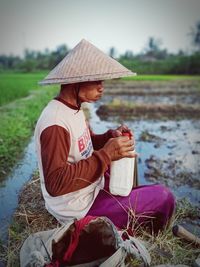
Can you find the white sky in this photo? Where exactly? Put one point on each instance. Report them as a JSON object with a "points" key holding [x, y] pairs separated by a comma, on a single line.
{"points": [[124, 24]]}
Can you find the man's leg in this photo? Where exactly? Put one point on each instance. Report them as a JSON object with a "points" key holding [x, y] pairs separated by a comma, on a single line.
{"points": [[149, 204]]}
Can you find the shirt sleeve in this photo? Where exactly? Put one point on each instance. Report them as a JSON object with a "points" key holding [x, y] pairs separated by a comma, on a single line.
{"points": [[60, 176], [99, 140]]}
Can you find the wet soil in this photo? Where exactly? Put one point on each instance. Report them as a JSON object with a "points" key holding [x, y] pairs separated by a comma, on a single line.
{"points": [[167, 130], [186, 87], [166, 169], [165, 117], [151, 111], [152, 100], [168, 154]]}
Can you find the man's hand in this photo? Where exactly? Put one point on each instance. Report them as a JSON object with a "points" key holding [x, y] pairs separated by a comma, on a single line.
{"points": [[120, 147], [123, 129]]}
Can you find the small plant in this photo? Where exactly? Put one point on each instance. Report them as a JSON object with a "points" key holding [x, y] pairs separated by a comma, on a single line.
{"points": [[165, 248]]}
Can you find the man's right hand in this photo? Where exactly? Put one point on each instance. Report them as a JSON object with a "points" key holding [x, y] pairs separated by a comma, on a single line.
{"points": [[120, 147]]}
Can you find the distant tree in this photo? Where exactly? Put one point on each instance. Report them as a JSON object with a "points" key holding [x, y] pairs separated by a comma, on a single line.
{"points": [[29, 54], [153, 51], [46, 51], [57, 55], [180, 53], [128, 55], [28, 65], [196, 35], [42, 60], [4, 61], [112, 52], [62, 50], [9, 62], [153, 45]]}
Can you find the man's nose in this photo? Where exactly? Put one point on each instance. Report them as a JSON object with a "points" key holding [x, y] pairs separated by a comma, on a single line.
{"points": [[100, 88]]}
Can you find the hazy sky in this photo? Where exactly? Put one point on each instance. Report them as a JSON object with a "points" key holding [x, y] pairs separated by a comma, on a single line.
{"points": [[124, 24]]}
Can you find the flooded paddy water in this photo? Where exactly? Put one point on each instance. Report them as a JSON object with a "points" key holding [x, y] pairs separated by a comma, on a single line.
{"points": [[169, 148], [167, 140], [11, 186]]}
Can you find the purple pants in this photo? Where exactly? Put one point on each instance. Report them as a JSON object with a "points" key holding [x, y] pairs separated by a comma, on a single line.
{"points": [[150, 205]]}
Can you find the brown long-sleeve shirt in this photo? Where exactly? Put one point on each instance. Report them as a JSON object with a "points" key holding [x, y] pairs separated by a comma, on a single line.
{"points": [[59, 174]]}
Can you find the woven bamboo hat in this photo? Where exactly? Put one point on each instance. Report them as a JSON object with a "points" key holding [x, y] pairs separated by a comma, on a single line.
{"points": [[85, 63]]}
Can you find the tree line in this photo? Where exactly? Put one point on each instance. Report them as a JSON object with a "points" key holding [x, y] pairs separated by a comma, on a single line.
{"points": [[152, 60]]}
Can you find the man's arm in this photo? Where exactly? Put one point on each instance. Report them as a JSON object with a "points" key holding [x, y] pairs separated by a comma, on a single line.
{"points": [[62, 177], [99, 140]]}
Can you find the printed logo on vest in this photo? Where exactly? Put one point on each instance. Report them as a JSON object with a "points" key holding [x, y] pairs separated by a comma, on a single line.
{"points": [[85, 144]]}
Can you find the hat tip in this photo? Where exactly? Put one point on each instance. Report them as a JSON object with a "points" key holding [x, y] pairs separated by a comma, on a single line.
{"points": [[83, 41]]}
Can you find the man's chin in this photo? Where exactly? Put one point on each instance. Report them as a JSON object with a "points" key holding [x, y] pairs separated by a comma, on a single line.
{"points": [[99, 96], [94, 99]]}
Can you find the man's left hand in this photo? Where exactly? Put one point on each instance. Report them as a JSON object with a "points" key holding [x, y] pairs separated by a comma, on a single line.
{"points": [[120, 130]]}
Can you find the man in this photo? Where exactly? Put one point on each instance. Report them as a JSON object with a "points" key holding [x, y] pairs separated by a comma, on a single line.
{"points": [[73, 160]]}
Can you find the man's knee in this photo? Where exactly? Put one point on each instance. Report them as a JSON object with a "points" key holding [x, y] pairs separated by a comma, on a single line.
{"points": [[165, 197]]}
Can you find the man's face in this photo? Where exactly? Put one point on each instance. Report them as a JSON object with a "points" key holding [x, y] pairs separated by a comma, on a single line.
{"points": [[91, 91]]}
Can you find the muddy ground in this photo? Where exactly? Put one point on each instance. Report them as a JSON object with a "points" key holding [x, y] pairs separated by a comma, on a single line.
{"points": [[151, 111], [165, 145], [166, 119], [186, 87], [171, 110], [157, 100]]}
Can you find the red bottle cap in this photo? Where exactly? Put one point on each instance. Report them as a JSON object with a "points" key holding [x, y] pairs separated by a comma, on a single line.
{"points": [[126, 134]]}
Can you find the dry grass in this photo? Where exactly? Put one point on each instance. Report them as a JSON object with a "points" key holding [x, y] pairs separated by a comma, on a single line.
{"points": [[164, 247], [31, 216]]}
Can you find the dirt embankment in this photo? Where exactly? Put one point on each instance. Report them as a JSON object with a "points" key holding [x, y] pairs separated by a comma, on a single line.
{"points": [[150, 111], [180, 109], [31, 216], [186, 87], [169, 172]]}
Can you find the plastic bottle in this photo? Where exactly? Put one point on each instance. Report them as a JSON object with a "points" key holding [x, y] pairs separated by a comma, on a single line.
{"points": [[121, 175]]}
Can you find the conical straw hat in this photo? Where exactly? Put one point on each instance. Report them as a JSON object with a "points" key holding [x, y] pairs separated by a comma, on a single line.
{"points": [[84, 63]]}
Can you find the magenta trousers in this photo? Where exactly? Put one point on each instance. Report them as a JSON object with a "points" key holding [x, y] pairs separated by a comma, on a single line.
{"points": [[149, 205]]}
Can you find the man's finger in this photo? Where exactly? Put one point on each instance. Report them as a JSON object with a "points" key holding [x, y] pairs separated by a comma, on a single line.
{"points": [[127, 148], [118, 133], [131, 154], [126, 141]]}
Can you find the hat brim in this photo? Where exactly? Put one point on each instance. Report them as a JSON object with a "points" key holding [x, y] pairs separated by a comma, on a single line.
{"points": [[87, 78]]}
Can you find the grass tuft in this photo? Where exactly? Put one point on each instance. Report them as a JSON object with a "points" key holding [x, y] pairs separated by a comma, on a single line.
{"points": [[165, 248], [31, 216], [18, 120], [18, 85]]}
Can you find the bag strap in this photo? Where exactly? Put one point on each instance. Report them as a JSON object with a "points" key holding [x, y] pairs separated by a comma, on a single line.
{"points": [[79, 225], [135, 247]]}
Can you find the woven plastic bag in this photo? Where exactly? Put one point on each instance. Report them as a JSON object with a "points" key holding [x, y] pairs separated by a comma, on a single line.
{"points": [[89, 242]]}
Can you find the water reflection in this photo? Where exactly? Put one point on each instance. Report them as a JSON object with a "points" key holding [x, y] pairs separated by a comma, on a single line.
{"points": [[178, 147], [10, 188], [179, 141]]}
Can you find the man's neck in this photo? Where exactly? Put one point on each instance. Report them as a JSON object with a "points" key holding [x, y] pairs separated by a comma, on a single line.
{"points": [[68, 95]]}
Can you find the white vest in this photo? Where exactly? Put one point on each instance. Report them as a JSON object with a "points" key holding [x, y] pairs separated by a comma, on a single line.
{"points": [[75, 204]]}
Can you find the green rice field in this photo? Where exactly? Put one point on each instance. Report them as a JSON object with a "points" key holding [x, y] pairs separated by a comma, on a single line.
{"points": [[162, 77], [21, 101], [17, 85]]}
